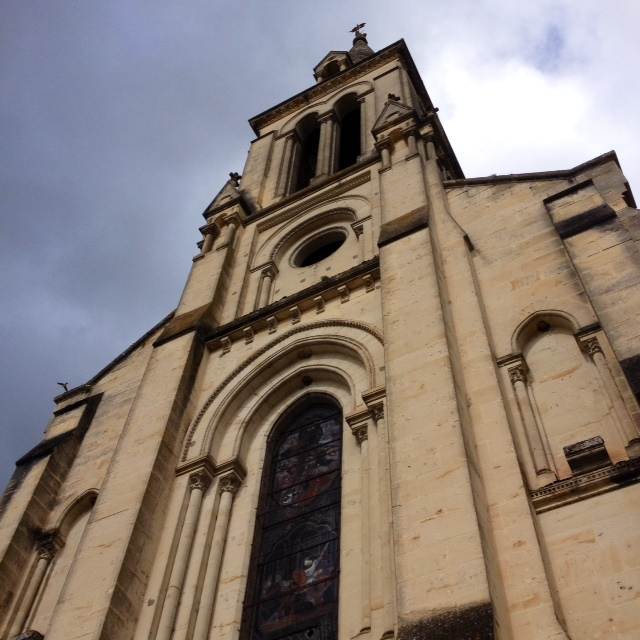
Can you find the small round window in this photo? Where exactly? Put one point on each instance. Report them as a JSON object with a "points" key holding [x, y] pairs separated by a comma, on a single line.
{"points": [[319, 248]]}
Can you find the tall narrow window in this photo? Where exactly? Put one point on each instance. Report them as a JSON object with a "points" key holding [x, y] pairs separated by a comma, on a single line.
{"points": [[348, 110], [293, 586], [309, 131]]}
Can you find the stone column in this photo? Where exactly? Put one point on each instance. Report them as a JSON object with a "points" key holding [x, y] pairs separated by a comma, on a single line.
{"points": [[267, 276], [198, 483], [361, 433], [326, 152], [518, 378], [285, 166], [363, 125], [358, 228], [47, 548], [386, 522], [210, 231], [619, 412], [228, 485], [410, 137], [232, 223], [384, 147]]}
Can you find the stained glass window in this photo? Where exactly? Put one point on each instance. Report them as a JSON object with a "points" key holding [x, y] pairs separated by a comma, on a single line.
{"points": [[293, 591]]}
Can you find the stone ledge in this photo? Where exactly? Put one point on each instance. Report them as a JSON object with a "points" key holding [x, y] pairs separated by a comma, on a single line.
{"points": [[586, 485], [328, 288], [584, 221], [403, 226], [474, 622]]}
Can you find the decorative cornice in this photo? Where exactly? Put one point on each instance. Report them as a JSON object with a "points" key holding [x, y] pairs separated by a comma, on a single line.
{"points": [[364, 273], [374, 395], [586, 485]]}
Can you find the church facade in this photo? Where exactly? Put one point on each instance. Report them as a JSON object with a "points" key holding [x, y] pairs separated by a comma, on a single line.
{"points": [[392, 402]]}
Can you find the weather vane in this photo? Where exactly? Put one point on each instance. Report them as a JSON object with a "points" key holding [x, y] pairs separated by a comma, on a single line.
{"points": [[357, 28]]}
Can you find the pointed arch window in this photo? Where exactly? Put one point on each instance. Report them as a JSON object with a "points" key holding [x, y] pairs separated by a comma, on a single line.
{"points": [[293, 584]]}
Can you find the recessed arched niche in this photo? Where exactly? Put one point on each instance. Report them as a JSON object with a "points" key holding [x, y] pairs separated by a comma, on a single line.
{"points": [[571, 411]]}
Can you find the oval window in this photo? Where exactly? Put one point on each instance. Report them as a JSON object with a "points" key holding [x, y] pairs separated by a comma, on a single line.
{"points": [[319, 248]]}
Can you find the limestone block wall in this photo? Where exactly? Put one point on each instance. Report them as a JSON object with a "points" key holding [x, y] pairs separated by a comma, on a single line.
{"points": [[41, 526]]}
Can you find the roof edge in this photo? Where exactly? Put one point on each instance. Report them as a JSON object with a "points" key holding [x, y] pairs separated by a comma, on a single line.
{"points": [[539, 175], [67, 395]]}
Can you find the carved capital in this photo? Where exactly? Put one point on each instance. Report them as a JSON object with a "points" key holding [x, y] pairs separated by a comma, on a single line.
{"points": [[48, 547], [410, 130], [358, 227], [199, 479], [591, 346], [229, 483], [361, 432], [232, 218], [326, 117], [517, 374], [377, 411], [384, 143], [210, 229], [269, 270]]}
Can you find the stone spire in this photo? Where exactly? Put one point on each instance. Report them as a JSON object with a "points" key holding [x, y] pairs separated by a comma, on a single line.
{"points": [[361, 48]]}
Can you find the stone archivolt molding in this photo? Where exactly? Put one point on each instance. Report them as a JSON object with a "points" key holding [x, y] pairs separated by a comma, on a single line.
{"points": [[319, 324]]}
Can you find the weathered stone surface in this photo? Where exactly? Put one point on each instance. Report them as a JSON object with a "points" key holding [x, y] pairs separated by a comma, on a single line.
{"points": [[466, 623]]}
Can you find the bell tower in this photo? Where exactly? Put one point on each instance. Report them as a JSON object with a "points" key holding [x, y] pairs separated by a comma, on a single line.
{"points": [[392, 402]]}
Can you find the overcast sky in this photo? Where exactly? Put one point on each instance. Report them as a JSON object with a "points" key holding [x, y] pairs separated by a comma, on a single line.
{"points": [[121, 119]]}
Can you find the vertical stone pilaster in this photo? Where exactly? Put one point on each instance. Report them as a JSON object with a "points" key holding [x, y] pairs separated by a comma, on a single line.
{"points": [[622, 420], [541, 463], [286, 167], [267, 275], [47, 547], [228, 486], [360, 429], [198, 483], [386, 521]]}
